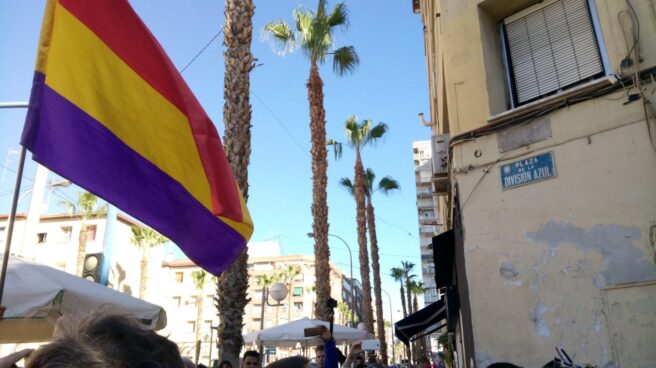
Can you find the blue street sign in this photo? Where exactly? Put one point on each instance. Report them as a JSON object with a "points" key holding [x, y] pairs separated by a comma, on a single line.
{"points": [[528, 171]]}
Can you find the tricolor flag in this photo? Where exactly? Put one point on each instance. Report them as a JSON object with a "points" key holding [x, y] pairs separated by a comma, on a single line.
{"points": [[110, 112]]}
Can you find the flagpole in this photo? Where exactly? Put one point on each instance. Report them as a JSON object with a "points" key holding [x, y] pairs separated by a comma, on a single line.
{"points": [[14, 204], [10, 225]]}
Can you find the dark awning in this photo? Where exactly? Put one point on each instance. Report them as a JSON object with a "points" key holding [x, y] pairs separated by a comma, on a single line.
{"points": [[444, 258], [430, 316]]}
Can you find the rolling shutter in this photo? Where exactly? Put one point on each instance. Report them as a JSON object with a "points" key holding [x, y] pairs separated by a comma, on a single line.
{"points": [[551, 46]]}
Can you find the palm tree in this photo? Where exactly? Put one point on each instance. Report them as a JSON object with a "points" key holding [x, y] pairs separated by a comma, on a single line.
{"points": [[85, 208], [360, 135], [288, 275], [199, 282], [232, 286], [407, 267], [397, 275], [314, 34], [145, 238], [385, 185], [416, 288]]}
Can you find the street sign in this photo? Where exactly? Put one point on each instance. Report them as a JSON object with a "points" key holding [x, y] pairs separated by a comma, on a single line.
{"points": [[527, 171]]}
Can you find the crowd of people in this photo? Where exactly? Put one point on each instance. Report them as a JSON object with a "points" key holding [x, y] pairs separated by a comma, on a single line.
{"points": [[103, 340]]}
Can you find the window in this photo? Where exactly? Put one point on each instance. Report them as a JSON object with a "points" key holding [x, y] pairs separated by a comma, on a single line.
{"points": [[191, 326], [298, 307], [176, 301], [179, 277], [550, 46], [298, 291], [283, 308], [41, 238], [91, 232], [66, 233], [257, 308]]}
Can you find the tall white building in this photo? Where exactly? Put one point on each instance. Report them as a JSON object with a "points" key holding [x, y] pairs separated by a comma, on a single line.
{"points": [[427, 214]]}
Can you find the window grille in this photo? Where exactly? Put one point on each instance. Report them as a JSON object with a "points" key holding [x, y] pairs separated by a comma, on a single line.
{"points": [[550, 46]]}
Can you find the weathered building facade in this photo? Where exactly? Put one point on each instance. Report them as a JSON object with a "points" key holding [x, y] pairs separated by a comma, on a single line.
{"points": [[551, 176]]}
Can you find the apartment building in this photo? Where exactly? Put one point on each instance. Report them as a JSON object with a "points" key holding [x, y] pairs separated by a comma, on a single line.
{"points": [[549, 107], [186, 311], [427, 214], [55, 241]]}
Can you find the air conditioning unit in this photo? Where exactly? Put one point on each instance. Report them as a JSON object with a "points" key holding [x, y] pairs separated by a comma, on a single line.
{"points": [[440, 158]]}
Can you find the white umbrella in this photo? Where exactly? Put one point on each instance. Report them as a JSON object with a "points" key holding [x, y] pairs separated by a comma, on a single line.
{"points": [[291, 333], [32, 288]]}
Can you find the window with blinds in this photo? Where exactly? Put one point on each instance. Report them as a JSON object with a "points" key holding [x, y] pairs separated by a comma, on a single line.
{"points": [[549, 47]]}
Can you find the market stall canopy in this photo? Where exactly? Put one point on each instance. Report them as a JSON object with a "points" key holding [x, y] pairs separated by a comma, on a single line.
{"points": [[426, 320], [36, 295], [291, 333]]}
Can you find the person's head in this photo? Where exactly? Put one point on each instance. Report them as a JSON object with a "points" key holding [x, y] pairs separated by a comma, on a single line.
{"points": [[291, 362], [226, 364], [251, 359], [358, 361], [102, 340], [320, 353], [188, 363]]}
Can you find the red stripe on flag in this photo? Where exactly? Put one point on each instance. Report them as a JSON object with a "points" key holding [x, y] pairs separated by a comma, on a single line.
{"points": [[121, 29]]}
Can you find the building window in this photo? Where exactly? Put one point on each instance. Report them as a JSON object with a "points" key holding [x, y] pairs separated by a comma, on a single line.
{"points": [[298, 307], [176, 301], [41, 238], [283, 308], [91, 233], [549, 47], [66, 234], [191, 326], [257, 308], [179, 277], [298, 291]]}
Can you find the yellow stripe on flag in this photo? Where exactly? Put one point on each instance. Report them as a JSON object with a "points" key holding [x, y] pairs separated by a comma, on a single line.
{"points": [[80, 64]]}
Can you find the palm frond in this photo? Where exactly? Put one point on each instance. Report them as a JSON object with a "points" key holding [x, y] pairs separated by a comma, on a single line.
{"points": [[338, 16], [369, 177], [388, 184], [348, 185], [321, 11], [303, 19], [70, 207], [353, 132], [345, 60], [282, 34], [337, 148], [379, 130]]}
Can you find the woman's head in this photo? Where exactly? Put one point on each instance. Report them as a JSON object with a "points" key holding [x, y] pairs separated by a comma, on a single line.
{"points": [[225, 364]]}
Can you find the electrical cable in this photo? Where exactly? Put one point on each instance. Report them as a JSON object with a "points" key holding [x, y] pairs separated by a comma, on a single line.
{"points": [[201, 51]]}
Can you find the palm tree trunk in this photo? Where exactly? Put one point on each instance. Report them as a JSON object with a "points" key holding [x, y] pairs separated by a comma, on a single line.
{"points": [[408, 291], [405, 310], [362, 243], [233, 283], [199, 317], [319, 193], [144, 272], [81, 249], [416, 344], [375, 265]]}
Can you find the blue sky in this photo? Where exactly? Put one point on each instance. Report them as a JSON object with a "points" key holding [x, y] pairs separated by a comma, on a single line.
{"points": [[389, 86]]}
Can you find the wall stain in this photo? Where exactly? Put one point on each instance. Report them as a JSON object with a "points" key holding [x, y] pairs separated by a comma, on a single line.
{"points": [[623, 261]]}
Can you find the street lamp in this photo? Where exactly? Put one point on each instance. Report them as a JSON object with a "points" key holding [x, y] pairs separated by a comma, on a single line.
{"points": [[391, 324], [278, 293], [311, 235]]}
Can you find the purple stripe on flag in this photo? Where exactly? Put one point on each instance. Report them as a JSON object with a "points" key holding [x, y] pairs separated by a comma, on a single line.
{"points": [[73, 144]]}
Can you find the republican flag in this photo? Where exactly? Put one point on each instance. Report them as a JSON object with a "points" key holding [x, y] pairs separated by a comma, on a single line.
{"points": [[110, 112]]}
